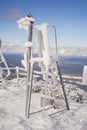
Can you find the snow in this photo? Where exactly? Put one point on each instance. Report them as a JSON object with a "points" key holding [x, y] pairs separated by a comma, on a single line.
{"points": [[13, 99], [25, 22], [42, 38], [12, 110]]}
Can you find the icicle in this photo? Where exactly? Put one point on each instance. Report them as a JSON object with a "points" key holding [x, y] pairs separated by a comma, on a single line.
{"points": [[43, 29], [39, 41]]}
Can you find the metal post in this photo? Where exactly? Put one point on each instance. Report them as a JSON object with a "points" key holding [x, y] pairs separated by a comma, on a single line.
{"points": [[59, 72], [29, 86], [61, 81], [17, 72]]}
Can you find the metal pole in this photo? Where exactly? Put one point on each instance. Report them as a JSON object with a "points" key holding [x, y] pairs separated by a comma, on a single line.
{"points": [[61, 81], [59, 72], [29, 86]]}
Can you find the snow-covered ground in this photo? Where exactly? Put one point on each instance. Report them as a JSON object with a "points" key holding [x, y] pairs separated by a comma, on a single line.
{"points": [[13, 101], [12, 109]]}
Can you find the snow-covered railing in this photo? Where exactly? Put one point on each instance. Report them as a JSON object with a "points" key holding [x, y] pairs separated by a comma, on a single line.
{"points": [[3, 64]]}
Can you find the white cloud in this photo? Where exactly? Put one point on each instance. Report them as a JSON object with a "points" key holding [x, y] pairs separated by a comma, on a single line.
{"points": [[12, 14]]}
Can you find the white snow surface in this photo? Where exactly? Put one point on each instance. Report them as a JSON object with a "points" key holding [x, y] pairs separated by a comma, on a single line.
{"points": [[25, 22], [12, 111]]}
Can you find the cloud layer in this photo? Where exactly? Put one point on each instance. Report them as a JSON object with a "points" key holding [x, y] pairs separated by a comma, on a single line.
{"points": [[12, 14]]}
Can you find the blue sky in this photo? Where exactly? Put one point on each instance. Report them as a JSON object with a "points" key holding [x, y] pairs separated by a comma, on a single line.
{"points": [[69, 17]]}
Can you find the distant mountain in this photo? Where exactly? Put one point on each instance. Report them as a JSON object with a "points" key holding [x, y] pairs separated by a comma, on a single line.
{"points": [[68, 65], [72, 59], [14, 59], [72, 64]]}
